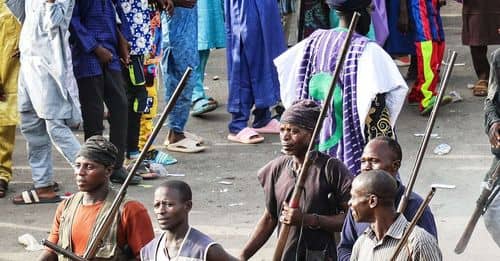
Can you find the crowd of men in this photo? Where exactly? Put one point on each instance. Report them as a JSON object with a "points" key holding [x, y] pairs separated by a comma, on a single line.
{"points": [[68, 63]]}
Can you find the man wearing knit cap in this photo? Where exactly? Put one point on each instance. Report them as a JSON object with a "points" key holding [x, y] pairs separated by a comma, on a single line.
{"points": [[368, 96], [325, 195], [77, 218]]}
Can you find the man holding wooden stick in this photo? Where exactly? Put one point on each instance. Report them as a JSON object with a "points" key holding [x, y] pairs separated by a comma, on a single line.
{"points": [[325, 192], [385, 154], [372, 200], [78, 217], [492, 126]]}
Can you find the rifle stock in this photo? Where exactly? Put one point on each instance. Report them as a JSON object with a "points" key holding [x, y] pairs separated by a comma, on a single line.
{"points": [[108, 219], [481, 206], [423, 146], [297, 191]]}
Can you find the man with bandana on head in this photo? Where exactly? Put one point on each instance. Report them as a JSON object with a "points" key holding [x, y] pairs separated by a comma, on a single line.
{"points": [[77, 218], [368, 96], [325, 195]]}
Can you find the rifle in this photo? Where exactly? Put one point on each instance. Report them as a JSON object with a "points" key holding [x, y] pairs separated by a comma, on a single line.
{"points": [[108, 219], [489, 192], [299, 185], [417, 217], [423, 146]]}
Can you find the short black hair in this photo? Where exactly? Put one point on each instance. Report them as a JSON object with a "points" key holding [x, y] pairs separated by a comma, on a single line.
{"points": [[181, 186], [392, 144], [380, 183]]}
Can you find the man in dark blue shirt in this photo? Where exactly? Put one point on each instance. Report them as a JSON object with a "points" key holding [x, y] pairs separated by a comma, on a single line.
{"points": [[97, 51], [382, 153]]}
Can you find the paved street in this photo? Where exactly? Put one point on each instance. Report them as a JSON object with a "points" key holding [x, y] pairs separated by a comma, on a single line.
{"points": [[229, 212]]}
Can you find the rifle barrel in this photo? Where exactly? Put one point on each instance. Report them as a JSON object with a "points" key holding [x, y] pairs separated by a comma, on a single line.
{"points": [[62, 251], [430, 125], [297, 191]]}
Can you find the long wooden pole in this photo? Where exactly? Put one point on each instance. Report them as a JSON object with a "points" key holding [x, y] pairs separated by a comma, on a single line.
{"points": [[299, 185], [109, 218], [430, 125]]}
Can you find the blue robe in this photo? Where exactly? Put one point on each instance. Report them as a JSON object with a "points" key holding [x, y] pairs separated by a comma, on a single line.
{"points": [[254, 38]]}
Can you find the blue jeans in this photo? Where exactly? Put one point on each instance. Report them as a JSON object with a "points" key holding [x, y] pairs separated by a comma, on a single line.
{"points": [[40, 134], [172, 74], [198, 91]]}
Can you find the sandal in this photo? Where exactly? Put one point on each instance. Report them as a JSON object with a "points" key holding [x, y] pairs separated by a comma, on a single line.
{"points": [[246, 136], [31, 197], [186, 145], [203, 105], [55, 187], [3, 188], [480, 89]]}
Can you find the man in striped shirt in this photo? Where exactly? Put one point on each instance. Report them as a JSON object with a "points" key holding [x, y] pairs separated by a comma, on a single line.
{"points": [[372, 200]]}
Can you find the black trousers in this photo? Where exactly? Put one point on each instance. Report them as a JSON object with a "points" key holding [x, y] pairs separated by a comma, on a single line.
{"points": [[109, 89], [137, 96]]}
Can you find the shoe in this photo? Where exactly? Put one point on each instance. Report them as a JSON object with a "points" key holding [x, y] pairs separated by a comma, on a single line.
{"points": [[427, 110], [119, 176]]}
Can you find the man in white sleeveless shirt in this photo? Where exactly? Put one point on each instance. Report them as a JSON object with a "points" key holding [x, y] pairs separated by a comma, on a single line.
{"points": [[178, 240]]}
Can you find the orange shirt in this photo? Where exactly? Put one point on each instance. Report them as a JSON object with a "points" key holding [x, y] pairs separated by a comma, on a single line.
{"points": [[134, 230]]}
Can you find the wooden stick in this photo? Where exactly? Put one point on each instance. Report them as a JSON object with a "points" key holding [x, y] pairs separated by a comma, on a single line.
{"points": [[62, 251], [423, 146], [109, 218], [413, 223], [299, 185]]}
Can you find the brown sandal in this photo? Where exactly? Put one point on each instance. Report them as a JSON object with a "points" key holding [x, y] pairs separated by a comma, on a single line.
{"points": [[3, 188], [480, 89]]}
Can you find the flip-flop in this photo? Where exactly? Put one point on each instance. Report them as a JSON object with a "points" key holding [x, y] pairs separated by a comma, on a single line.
{"points": [[480, 89], [186, 145], [246, 136], [272, 127], [160, 157], [188, 135], [29, 197], [202, 106]]}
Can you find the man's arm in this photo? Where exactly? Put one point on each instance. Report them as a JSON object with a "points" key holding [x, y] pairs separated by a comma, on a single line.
{"points": [[491, 116], [217, 253], [348, 237], [260, 235], [49, 255], [135, 218], [78, 30], [124, 26], [426, 248]]}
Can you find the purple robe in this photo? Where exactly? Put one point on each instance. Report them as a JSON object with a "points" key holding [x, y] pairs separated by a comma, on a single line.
{"points": [[341, 135]]}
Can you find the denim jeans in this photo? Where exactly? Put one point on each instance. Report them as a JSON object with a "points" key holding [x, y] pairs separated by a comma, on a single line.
{"points": [[40, 134], [172, 72]]}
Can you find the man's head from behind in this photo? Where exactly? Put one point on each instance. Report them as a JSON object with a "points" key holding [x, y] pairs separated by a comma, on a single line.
{"points": [[382, 153], [172, 203], [372, 191], [346, 8], [297, 125], [94, 163]]}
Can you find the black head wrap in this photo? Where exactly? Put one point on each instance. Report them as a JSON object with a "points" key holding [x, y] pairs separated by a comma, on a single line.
{"points": [[100, 150], [303, 113], [349, 5]]}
